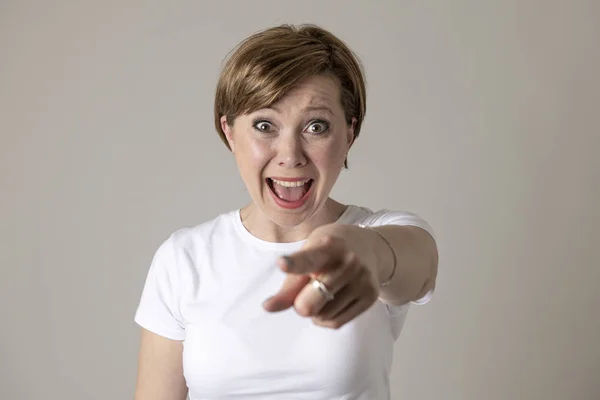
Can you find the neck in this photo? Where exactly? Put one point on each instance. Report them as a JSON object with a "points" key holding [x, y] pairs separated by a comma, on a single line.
{"points": [[263, 227]]}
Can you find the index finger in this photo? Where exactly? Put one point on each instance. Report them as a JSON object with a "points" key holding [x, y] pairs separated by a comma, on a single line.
{"points": [[313, 259]]}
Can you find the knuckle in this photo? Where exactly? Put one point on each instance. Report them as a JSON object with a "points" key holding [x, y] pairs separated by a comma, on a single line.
{"points": [[327, 240], [351, 259]]}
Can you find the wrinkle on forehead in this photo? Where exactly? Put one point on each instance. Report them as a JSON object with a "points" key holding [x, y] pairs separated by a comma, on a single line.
{"points": [[316, 93]]}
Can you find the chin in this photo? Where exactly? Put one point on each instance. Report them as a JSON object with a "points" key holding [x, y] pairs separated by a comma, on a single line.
{"points": [[289, 218], [290, 214]]}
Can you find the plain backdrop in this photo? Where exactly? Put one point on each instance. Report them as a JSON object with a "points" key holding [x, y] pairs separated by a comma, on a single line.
{"points": [[482, 117]]}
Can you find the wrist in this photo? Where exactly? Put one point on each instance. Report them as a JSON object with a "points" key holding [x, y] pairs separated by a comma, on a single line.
{"points": [[384, 258]]}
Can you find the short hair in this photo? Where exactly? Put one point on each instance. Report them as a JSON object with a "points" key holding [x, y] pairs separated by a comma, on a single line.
{"points": [[265, 66]]}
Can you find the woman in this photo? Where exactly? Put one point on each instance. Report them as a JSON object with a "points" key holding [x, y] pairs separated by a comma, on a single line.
{"points": [[296, 295]]}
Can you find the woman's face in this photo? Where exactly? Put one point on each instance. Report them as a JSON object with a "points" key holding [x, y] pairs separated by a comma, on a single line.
{"points": [[291, 154]]}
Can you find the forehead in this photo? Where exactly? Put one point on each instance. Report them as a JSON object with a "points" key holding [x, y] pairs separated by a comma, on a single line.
{"points": [[314, 92]]}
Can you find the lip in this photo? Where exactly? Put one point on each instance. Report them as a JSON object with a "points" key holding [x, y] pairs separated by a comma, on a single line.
{"points": [[290, 205], [284, 179]]}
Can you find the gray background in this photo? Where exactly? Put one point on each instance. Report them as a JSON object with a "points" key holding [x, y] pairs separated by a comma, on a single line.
{"points": [[483, 117]]}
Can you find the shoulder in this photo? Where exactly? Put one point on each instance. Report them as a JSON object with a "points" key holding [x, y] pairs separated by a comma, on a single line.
{"points": [[202, 233], [182, 246]]}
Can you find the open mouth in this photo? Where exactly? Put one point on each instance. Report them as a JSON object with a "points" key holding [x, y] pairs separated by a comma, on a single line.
{"points": [[290, 191]]}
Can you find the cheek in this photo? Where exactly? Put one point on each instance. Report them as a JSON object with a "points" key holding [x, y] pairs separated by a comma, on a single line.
{"points": [[252, 155], [333, 154], [259, 154]]}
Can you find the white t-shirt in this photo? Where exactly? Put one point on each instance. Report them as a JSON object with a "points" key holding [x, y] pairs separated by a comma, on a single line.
{"points": [[206, 286]]}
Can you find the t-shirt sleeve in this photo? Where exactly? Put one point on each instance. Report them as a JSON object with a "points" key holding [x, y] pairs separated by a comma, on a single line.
{"points": [[388, 217], [158, 309]]}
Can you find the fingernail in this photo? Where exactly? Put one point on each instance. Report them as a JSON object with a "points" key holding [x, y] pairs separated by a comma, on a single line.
{"points": [[288, 261], [270, 307]]}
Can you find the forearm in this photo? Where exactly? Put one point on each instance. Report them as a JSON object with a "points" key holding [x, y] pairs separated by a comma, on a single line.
{"points": [[416, 259]]}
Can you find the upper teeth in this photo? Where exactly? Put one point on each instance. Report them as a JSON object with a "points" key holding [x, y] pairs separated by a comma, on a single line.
{"points": [[290, 184]]}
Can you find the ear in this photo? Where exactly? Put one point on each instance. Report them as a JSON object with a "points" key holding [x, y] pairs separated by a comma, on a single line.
{"points": [[228, 131], [350, 133]]}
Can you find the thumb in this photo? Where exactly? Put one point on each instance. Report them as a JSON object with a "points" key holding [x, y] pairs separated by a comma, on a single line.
{"points": [[284, 299]]}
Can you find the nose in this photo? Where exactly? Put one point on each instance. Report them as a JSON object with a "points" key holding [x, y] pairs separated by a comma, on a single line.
{"points": [[290, 151]]}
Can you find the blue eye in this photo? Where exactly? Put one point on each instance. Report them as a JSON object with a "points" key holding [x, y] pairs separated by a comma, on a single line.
{"points": [[317, 127], [263, 126]]}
